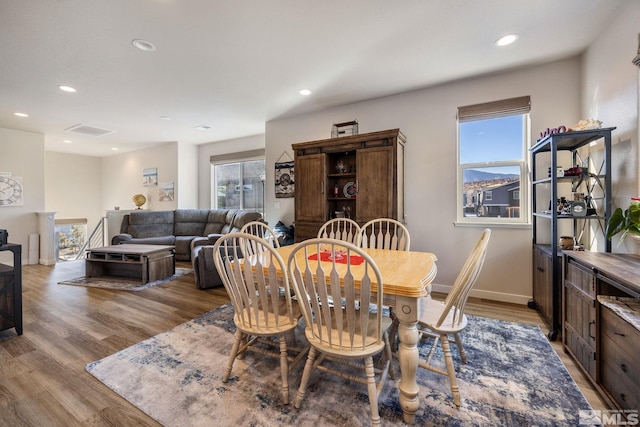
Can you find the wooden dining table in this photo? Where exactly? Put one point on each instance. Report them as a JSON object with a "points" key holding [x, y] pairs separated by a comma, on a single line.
{"points": [[405, 275]]}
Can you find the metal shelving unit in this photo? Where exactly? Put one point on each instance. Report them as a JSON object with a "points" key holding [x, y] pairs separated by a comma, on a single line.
{"points": [[596, 185]]}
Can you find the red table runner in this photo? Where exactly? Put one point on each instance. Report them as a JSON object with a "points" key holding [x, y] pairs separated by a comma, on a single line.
{"points": [[341, 259]]}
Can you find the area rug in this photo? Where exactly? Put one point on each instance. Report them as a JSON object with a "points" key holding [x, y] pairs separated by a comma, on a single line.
{"points": [[513, 378], [121, 283]]}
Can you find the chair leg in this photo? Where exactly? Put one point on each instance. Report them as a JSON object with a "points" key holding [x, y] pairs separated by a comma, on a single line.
{"points": [[446, 349], [284, 369], [308, 367], [238, 337], [463, 355], [373, 391]]}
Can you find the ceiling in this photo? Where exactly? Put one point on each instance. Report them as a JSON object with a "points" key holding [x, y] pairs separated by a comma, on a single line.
{"points": [[233, 65]]}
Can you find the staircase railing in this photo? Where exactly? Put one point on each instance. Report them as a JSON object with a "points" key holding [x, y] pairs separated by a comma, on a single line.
{"points": [[97, 239]]}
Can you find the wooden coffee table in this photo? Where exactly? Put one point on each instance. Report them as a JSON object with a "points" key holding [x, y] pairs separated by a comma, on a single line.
{"points": [[146, 263]]}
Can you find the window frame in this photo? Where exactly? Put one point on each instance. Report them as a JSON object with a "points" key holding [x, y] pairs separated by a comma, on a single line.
{"points": [[234, 158], [496, 109]]}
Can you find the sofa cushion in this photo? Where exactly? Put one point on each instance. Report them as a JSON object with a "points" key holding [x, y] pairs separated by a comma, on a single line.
{"points": [[191, 222], [183, 247], [215, 221], [145, 224], [243, 217], [228, 221], [160, 240]]}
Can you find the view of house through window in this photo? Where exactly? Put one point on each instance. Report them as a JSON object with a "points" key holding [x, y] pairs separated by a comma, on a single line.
{"points": [[493, 141], [239, 185]]}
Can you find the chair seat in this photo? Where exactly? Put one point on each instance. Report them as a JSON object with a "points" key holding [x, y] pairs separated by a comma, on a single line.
{"points": [[264, 327], [430, 311], [336, 350]]}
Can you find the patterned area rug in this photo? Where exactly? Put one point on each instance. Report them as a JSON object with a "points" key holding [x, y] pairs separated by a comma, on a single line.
{"points": [[121, 284], [513, 378]]}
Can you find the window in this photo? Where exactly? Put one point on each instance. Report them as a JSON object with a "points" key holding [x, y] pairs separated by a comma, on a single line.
{"points": [[493, 142], [238, 181]]}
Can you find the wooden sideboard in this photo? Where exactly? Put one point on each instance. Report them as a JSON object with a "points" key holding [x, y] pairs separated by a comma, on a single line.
{"points": [[601, 322], [360, 177]]}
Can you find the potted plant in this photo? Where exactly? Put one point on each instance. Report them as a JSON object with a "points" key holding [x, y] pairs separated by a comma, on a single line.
{"points": [[626, 222]]}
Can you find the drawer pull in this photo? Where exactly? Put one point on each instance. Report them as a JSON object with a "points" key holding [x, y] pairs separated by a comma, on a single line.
{"points": [[620, 334], [623, 367]]}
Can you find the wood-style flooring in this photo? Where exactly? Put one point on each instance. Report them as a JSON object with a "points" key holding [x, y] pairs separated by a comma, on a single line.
{"points": [[43, 381]]}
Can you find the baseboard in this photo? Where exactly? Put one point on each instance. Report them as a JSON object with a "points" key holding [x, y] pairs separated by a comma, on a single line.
{"points": [[488, 295], [43, 261]]}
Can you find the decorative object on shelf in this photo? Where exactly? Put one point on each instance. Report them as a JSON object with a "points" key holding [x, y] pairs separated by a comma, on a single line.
{"points": [[285, 186], [341, 167], [10, 190], [350, 190], [626, 222], [548, 131], [139, 200], [559, 171], [344, 129], [587, 124], [567, 242]]}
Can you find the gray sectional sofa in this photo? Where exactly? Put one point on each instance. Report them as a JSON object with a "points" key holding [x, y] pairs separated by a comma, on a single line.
{"points": [[182, 228]]}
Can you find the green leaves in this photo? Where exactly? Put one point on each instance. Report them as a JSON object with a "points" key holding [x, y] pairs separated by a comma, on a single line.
{"points": [[624, 222]]}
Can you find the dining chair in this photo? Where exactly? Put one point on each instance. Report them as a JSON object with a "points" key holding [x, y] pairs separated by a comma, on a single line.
{"points": [[385, 233], [330, 279], [390, 234], [344, 229], [444, 320], [262, 230], [262, 301]]}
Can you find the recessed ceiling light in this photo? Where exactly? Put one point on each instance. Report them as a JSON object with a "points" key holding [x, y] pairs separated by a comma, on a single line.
{"points": [[506, 39], [145, 45], [67, 141], [21, 114], [305, 92], [203, 127], [165, 118], [115, 148], [66, 88]]}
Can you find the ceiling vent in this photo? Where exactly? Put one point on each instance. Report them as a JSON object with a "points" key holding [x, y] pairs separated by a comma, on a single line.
{"points": [[89, 130]]}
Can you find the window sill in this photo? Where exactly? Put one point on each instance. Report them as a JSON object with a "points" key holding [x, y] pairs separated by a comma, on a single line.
{"points": [[485, 224]]}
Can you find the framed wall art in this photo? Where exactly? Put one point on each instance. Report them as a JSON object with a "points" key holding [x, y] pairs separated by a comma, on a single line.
{"points": [[284, 179]]}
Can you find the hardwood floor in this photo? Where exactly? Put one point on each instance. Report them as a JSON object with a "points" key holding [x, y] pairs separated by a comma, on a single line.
{"points": [[43, 381]]}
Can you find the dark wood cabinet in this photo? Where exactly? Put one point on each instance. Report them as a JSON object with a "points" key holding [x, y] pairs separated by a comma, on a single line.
{"points": [[360, 177], [553, 210], [601, 322], [580, 315], [542, 287], [11, 290]]}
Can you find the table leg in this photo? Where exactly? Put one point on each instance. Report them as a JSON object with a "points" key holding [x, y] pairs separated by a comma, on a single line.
{"points": [[407, 312]]}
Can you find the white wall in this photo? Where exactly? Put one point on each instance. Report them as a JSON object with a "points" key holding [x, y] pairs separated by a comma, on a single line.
{"points": [[22, 154], [73, 187], [122, 177], [187, 182], [205, 151], [428, 119], [610, 94]]}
